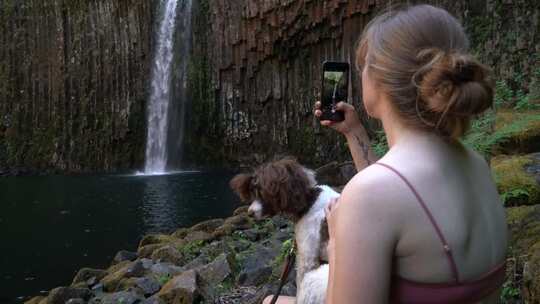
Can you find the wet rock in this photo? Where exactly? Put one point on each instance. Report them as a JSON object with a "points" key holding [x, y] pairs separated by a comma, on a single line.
{"points": [[35, 300], [208, 226], [216, 271], [153, 300], [525, 139], [516, 180], [112, 281], [335, 174], [256, 268], [146, 251], [124, 255], [180, 233], [146, 285], [61, 295], [234, 223], [155, 239], [86, 274], [198, 236], [182, 288], [123, 297], [76, 301], [241, 210], [168, 254], [165, 269]]}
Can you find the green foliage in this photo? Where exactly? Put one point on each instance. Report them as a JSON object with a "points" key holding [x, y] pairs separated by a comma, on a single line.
{"points": [[380, 144], [505, 96], [509, 292], [192, 249], [163, 278], [518, 193]]}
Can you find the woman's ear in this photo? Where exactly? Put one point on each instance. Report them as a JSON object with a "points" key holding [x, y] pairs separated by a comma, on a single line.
{"points": [[241, 184]]}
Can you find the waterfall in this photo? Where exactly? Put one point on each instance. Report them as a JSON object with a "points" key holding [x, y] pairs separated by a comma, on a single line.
{"points": [[160, 95]]}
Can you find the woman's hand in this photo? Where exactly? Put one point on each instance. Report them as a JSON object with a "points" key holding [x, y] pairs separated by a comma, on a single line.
{"points": [[348, 125]]}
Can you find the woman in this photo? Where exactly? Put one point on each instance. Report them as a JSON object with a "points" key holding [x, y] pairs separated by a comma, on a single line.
{"points": [[425, 223]]}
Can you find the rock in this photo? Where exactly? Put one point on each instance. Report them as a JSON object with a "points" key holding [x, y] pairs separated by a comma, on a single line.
{"points": [[515, 184], [124, 255], [524, 226], [182, 288], [208, 226], [256, 267], [112, 281], [61, 295], [168, 254], [76, 301], [239, 295], [153, 300], [165, 269], [519, 140], [241, 210], [115, 268], [35, 300], [86, 274], [216, 271], [180, 233], [335, 174], [147, 285], [195, 236], [234, 223], [121, 297], [146, 251], [155, 239], [280, 221]]}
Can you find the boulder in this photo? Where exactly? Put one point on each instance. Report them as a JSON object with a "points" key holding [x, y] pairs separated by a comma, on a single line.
{"points": [[256, 266], [121, 297], [124, 255], [151, 239], [521, 131], [76, 301], [216, 271], [61, 295], [153, 300], [234, 223], [35, 300], [147, 250], [208, 226], [182, 288], [168, 254], [517, 178], [524, 226], [112, 281], [241, 210], [147, 286], [165, 269], [86, 274], [335, 174], [180, 233], [195, 236]]}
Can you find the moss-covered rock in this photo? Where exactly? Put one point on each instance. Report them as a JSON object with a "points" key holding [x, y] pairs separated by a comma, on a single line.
{"points": [[519, 132], [516, 185], [524, 225]]}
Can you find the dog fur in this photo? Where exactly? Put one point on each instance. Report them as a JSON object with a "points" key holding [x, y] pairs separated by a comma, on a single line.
{"points": [[286, 187]]}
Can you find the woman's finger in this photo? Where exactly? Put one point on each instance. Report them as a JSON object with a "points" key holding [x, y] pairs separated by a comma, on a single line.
{"points": [[318, 113], [317, 105], [327, 123]]}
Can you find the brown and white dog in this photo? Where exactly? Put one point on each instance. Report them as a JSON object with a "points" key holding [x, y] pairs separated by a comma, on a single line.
{"points": [[286, 187]]}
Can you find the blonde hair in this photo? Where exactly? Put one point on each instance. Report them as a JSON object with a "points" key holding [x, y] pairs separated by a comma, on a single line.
{"points": [[419, 57]]}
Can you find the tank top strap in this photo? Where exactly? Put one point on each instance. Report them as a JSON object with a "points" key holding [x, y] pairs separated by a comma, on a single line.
{"points": [[446, 247]]}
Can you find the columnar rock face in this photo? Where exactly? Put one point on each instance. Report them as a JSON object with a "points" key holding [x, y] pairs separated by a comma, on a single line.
{"points": [[259, 68], [74, 75], [73, 83]]}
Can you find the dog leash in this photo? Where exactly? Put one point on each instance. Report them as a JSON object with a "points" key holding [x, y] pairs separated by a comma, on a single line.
{"points": [[289, 263]]}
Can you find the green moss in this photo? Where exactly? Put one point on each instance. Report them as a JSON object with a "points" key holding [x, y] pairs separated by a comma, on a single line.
{"points": [[516, 186]]}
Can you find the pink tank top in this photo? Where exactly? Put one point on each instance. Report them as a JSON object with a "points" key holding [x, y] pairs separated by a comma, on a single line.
{"points": [[404, 291]]}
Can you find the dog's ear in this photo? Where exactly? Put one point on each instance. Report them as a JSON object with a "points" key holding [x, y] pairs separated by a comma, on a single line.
{"points": [[241, 185]]}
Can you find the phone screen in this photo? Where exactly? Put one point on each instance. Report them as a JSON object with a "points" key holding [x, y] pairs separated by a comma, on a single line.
{"points": [[335, 88]]}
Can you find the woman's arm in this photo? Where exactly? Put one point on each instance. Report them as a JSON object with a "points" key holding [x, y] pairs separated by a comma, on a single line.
{"points": [[363, 230], [357, 138]]}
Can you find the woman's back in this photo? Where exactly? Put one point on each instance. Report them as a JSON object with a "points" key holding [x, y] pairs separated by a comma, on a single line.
{"points": [[458, 191]]}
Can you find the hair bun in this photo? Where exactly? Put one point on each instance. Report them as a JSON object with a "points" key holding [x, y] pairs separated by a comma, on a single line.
{"points": [[453, 84]]}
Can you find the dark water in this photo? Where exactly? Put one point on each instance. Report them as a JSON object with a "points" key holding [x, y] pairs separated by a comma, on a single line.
{"points": [[52, 226]]}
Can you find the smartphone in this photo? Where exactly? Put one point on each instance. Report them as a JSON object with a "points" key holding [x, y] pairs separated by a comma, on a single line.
{"points": [[335, 87]]}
